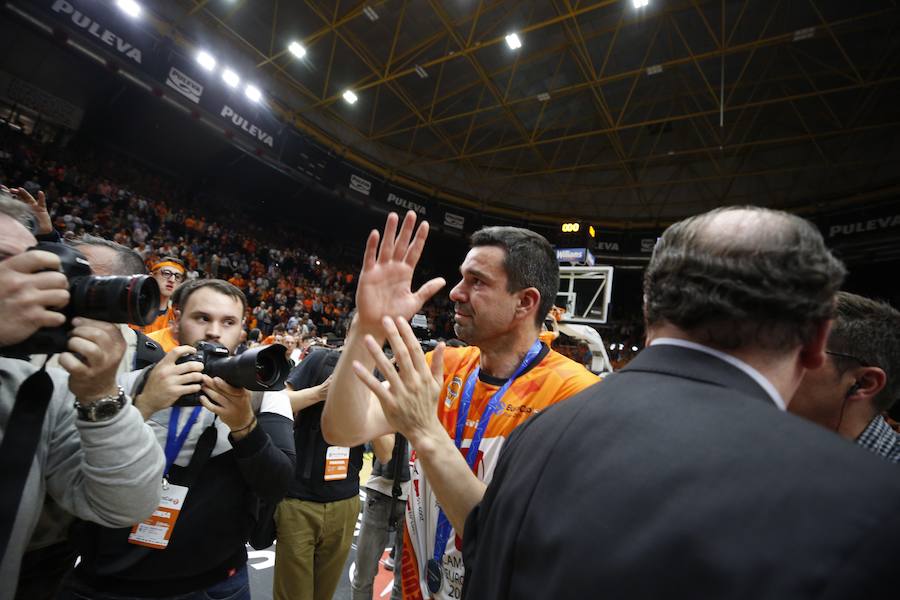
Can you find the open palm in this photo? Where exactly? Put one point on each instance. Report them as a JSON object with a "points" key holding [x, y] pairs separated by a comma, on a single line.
{"points": [[385, 282]]}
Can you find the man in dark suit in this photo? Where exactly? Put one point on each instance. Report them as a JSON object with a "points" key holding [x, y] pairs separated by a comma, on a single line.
{"points": [[681, 475]]}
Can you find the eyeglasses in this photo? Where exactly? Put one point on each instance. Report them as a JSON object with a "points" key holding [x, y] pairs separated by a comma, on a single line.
{"points": [[175, 275], [848, 356]]}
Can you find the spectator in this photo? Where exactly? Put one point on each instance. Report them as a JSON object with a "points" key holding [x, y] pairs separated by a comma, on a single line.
{"points": [[169, 273]]}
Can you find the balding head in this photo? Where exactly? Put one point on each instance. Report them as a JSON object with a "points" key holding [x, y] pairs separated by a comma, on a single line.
{"points": [[742, 277]]}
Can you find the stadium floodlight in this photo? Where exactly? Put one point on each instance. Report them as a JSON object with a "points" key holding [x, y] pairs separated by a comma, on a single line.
{"points": [[253, 94], [513, 41], [130, 8], [231, 78], [206, 60], [640, 3], [297, 49], [350, 97]]}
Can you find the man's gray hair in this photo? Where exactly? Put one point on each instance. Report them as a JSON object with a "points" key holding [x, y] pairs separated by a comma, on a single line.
{"points": [[743, 277], [128, 262]]}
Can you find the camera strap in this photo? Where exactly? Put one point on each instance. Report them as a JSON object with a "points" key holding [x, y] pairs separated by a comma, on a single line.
{"points": [[20, 442]]}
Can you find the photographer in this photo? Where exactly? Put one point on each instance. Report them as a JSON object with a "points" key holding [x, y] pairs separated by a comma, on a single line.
{"points": [[50, 555], [223, 457], [75, 437]]}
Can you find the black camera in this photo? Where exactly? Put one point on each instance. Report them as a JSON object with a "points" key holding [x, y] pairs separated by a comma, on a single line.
{"points": [[259, 369], [133, 299]]}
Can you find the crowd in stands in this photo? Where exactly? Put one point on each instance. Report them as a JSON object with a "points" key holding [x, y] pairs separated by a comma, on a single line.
{"points": [[288, 279]]}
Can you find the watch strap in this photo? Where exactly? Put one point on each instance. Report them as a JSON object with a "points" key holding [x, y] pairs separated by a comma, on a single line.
{"points": [[101, 409]]}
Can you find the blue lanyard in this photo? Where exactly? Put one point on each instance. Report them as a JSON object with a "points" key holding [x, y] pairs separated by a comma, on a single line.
{"points": [[442, 535], [174, 442]]}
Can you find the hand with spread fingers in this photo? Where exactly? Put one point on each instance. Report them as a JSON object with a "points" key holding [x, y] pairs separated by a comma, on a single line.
{"points": [[385, 282], [410, 403], [231, 404], [168, 381], [95, 349]]}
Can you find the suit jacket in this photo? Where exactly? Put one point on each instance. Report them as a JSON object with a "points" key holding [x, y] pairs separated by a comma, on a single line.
{"points": [[678, 477]]}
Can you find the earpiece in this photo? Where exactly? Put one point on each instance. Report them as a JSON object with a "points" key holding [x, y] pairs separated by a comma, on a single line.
{"points": [[853, 389]]}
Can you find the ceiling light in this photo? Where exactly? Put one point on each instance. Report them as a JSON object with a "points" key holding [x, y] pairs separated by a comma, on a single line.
{"points": [[612, 346], [654, 69], [350, 97], [634, 348], [231, 78], [206, 60], [543, 96], [640, 3], [421, 72], [513, 41], [370, 12], [297, 50], [130, 8], [252, 92]]}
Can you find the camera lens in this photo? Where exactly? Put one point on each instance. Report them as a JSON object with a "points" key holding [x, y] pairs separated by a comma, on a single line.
{"points": [[143, 303], [114, 299], [266, 371]]}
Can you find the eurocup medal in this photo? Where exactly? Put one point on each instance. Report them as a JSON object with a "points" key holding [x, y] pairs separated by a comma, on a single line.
{"points": [[433, 575]]}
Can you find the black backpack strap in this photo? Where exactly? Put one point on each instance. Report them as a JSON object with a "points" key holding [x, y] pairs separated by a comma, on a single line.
{"points": [[202, 452], [397, 459], [20, 441], [146, 352]]}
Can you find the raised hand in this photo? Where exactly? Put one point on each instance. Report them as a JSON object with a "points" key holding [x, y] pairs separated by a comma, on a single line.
{"points": [[38, 208], [385, 282], [410, 401]]}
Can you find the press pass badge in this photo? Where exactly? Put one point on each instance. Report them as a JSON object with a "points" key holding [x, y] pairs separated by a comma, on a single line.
{"points": [[157, 529], [337, 463]]}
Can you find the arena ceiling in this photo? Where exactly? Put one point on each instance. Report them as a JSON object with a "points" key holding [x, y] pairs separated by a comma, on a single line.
{"points": [[607, 112]]}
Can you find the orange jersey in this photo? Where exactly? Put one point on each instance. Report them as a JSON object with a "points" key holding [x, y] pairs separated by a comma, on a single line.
{"points": [[552, 379], [164, 338], [161, 322]]}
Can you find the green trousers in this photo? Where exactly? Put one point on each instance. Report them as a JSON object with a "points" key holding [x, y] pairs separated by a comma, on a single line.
{"points": [[313, 542]]}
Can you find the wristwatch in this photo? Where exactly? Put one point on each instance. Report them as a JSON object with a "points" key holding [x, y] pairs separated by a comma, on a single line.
{"points": [[101, 409]]}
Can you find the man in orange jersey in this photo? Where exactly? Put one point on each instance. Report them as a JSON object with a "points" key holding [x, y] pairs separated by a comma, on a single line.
{"points": [[169, 273], [456, 406], [165, 337]]}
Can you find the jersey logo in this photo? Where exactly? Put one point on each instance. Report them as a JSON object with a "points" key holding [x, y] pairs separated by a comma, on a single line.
{"points": [[452, 392]]}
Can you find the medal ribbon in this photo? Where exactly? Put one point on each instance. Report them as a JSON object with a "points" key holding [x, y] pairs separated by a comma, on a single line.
{"points": [[444, 528]]}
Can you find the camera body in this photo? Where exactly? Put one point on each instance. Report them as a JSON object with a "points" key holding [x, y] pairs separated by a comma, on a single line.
{"points": [[116, 299], [259, 369]]}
